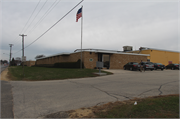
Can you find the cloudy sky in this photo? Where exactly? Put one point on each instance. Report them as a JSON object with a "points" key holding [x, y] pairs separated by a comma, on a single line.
{"points": [[107, 24]]}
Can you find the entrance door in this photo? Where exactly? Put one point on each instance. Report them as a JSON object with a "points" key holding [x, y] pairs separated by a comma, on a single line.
{"points": [[106, 60]]}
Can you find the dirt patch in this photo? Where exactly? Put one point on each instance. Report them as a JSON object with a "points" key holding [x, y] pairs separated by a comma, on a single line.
{"points": [[4, 75], [81, 113], [91, 111]]}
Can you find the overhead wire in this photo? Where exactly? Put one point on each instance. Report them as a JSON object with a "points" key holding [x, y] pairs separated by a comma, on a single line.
{"points": [[28, 19], [50, 27], [36, 15], [31, 15], [46, 13], [44, 16]]}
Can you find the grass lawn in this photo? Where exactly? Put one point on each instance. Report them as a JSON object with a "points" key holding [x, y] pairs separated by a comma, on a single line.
{"points": [[42, 73], [157, 107]]}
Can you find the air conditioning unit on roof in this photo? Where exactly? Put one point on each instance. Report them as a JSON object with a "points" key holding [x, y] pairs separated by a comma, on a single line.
{"points": [[127, 48]]}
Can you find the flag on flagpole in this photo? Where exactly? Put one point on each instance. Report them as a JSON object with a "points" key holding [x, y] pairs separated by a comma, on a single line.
{"points": [[79, 14]]}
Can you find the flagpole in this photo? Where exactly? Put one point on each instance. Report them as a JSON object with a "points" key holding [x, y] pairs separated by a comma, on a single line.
{"points": [[81, 34]]}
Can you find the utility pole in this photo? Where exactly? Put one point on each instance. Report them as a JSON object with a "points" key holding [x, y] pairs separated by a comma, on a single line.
{"points": [[10, 54], [23, 50]]}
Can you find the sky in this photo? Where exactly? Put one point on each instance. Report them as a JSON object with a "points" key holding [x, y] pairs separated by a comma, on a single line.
{"points": [[106, 24]]}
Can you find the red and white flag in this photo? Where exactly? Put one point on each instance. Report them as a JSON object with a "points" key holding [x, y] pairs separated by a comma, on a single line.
{"points": [[79, 14]]}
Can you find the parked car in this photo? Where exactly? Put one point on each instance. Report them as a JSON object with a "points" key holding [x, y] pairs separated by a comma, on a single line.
{"points": [[131, 66], [172, 66], [158, 66], [148, 65]]}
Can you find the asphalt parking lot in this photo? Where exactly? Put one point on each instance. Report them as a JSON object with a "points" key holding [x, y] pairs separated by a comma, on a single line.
{"points": [[37, 99]]}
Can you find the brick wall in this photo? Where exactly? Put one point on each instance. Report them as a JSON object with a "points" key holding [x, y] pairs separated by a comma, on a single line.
{"points": [[90, 59], [117, 61], [61, 58], [30, 63]]}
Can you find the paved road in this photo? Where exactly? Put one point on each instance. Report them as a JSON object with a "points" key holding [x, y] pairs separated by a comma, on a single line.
{"points": [[36, 99], [6, 98]]}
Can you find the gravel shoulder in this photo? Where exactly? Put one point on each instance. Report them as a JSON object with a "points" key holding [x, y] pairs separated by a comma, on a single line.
{"points": [[4, 75]]}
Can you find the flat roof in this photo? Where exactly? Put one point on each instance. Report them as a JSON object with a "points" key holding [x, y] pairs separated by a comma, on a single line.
{"points": [[95, 51], [64, 53], [146, 48], [121, 53]]}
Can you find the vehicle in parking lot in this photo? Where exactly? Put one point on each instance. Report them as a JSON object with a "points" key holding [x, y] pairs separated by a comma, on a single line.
{"points": [[172, 66], [158, 66], [132, 66], [148, 65]]}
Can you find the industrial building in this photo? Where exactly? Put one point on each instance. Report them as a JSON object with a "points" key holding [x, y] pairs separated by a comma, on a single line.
{"points": [[158, 55], [111, 59], [29, 63]]}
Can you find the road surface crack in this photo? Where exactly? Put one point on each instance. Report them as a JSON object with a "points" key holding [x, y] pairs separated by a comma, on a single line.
{"points": [[164, 84], [105, 92], [122, 96], [147, 91], [95, 88]]}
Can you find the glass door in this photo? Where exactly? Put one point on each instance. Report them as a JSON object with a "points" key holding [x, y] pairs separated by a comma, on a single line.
{"points": [[106, 60]]}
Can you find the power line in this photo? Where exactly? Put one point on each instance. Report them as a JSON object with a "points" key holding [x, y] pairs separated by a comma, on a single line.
{"points": [[51, 27], [29, 18], [31, 15], [36, 15], [46, 13]]}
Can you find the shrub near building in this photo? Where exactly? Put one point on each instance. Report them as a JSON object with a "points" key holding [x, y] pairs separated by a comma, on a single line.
{"points": [[69, 64]]}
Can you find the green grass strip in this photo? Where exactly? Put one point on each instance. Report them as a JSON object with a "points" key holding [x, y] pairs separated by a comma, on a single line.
{"points": [[43, 73], [161, 107]]}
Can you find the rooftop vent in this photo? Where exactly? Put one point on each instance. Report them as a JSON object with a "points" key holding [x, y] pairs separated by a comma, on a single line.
{"points": [[142, 48], [127, 48]]}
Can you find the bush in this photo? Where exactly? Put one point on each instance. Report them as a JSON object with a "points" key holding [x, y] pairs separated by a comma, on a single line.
{"points": [[69, 64], [43, 65]]}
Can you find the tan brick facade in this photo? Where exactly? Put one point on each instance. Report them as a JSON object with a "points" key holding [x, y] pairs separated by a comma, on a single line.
{"points": [[117, 61], [30, 63], [61, 58], [90, 59]]}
